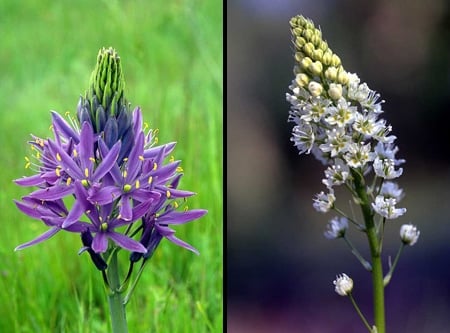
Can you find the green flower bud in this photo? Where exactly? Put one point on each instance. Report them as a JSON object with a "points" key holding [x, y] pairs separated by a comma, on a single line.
{"points": [[305, 62], [317, 54], [342, 76], [308, 48], [315, 68], [335, 60], [299, 56], [308, 34], [299, 42], [302, 79], [327, 56], [331, 73]]}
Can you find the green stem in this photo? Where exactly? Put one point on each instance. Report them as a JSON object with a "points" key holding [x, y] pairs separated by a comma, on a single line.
{"points": [[377, 268], [358, 255], [116, 305]]}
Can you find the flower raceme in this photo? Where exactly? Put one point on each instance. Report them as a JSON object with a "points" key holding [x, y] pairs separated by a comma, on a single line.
{"points": [[133, 187], [337, 119]]}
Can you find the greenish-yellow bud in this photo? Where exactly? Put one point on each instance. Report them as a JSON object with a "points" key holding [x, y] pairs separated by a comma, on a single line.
{"points": [[299, 56], [317, 54], [302, 79], [335, 60], [327, 56], [305, 62], [307, 33], [335, 91], [308, 48], [331, 73], [323, 45], [315, 68], [342, 76], [299, 42], [315, 88]]}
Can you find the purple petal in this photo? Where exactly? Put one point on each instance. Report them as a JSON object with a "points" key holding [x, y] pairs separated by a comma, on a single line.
{"points": [[100, 242], [105, 195], [181, 217], [86, 146], [27, 209], [62, 126], [46, 235], [107, 163], [66, 161], [143, 195], [169, 234], [52, 193], [174, 193], [134, 161], [154, 151], [30, 181], [126, 242], [125, 208]]}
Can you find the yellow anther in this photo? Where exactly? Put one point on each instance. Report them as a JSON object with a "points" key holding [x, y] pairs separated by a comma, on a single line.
{"points": [[186, 208], [67, 113], [155, 166], [179, 169], [168, 194], [145, 125], [86, 172], [38, 155], [156, 140], [58, 157], [175, 204], [150, 179], [125, 159], [28, 163], [75, 153], [171, 159], [138, 184], [58, 171], [124, 173], [92, 159], [50, 127], [68, 181], [141, 157]]}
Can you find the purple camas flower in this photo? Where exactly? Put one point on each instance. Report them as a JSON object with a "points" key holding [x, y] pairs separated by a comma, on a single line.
{"points": [[113, 169]]}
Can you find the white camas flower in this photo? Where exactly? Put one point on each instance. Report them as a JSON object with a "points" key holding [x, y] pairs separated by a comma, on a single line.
{"points": [[324, 202], [336, 228], [338, 120], [386, 207], [336, 174], [391, 190], [343, 284], [409, 234]]}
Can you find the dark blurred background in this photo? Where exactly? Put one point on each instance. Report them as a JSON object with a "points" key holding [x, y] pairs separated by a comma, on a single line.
{"points": [[280, 268]]}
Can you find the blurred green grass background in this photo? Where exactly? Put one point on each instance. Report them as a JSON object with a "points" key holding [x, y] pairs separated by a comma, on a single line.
{"points": [[172, 60]]}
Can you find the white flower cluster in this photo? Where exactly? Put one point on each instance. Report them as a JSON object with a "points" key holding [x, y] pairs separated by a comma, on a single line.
{"points": [[337, 119]]}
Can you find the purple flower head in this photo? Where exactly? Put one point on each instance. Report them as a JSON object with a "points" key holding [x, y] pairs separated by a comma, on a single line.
{"points": [[123, 186]]}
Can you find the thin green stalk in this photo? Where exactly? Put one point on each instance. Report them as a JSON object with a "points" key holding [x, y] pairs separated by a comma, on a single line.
{"points": [[116, 305], [358, 255], [388, 276], [360, 314], [377, 268]]}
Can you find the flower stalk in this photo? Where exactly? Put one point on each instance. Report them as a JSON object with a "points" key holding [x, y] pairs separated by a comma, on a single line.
{"points": [[115, 299]]}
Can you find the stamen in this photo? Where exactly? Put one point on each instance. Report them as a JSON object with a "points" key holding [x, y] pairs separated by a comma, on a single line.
{"points": [[155, 166], [150, 179], [141, 157], [138, 184], [168, 194], [75, 153], [68, 181], [179, 169], [92, 159], [58, 157]]}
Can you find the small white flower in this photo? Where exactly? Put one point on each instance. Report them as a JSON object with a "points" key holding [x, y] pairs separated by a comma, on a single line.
{"points": [[358, 154], [337, 142], [409, 234], [315, 110], [303, 137], [386, 207], [341, 114], [336, 174], [324, 202], [336, 228], [385, 168], [391, 190], [343, 284]]}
